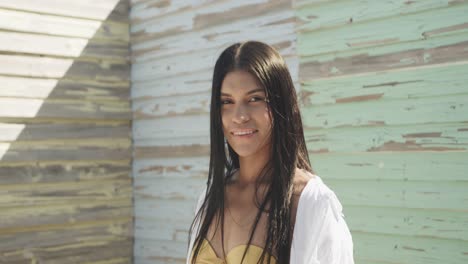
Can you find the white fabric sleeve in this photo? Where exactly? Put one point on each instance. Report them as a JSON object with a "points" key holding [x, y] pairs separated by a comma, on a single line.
{"points": [[321, 235], [196, 227]]}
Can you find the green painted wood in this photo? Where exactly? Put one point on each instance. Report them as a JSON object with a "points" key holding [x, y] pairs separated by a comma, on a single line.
{"points": [[384, 102], [393, 29], [429, 166], [408, 84], [378, 248], [420, 223]]}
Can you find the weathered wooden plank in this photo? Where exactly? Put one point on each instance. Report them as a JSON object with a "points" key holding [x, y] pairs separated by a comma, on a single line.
{"points": [[144, 10], [321, 16], [190, 104], [426, 53], [161, 130], [63, 46], [45, 67], [164, 188], [162, 230], [44, 194], [378, 248], [396, 166], [217, 13], [153, 209], [408, 84], [12, 132], [53, 108], [429, 110], [196, 166], [62, 150], [407, 222], [442, 195], [411, 27], [425, 137], [26, 217], [193, 82], [160, 249], [20, 21], [75, 246], [87, 90], [63, 172], [103, 10], [210, 42]]}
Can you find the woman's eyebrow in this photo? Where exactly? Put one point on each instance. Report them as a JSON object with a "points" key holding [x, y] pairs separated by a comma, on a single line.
{"points": [[249, 92]]}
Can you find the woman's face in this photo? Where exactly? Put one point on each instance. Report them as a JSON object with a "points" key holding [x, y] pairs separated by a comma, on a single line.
{"points": [[245, 115]]}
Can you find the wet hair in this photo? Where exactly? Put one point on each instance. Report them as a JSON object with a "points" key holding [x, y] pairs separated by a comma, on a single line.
{"points": [[288, 149]]}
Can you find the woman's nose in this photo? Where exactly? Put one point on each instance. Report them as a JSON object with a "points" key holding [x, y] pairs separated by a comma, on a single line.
{"points": [[241, 114]]}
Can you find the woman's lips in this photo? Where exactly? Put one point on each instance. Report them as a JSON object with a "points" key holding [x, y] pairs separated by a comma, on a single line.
{"points": [[244, 133]]}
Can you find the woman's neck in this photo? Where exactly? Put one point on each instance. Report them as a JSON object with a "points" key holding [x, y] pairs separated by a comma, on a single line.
{"points": [[250, 168]]}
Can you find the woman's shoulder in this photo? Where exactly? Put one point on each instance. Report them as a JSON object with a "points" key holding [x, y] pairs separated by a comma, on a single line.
{"points": [[315, 195]]}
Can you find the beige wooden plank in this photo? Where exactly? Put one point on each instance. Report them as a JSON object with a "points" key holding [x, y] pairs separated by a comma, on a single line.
{"points": [[86, 90], [37, 108], [18, 132], [41, 194], [76, 246], [63, 46], [39, 217], [45, 67], [20, 21], [100, 10], [63, 172], [61, 150]]}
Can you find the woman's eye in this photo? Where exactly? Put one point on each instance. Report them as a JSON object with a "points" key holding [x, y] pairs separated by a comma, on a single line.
{"points": [[226, 101], [256, 99]]}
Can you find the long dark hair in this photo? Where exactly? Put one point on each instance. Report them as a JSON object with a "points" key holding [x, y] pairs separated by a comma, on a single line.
{"points": [[288, 148]]}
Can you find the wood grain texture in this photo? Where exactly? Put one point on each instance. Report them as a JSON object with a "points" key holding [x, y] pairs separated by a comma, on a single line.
{"points": [[65, 132], [383, 96]]}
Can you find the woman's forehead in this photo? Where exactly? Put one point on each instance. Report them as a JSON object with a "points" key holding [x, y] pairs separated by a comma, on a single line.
{"points": [[240, 82]]}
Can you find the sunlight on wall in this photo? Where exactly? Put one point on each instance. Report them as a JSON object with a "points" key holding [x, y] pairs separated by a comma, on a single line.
{"points": [[23, 97]]}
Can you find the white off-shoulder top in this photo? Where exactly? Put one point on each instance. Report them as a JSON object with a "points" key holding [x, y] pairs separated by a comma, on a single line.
{"points": [[321, 235]]}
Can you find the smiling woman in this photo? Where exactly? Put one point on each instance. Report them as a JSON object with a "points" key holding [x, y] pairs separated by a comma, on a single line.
{"points": [[262, 204]]}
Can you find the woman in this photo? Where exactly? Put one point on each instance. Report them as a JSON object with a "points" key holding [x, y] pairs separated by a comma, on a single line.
{"points": [[262, 203]]}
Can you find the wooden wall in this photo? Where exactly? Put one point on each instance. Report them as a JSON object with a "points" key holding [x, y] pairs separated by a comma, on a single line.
{"points": [[384, 103], [65, 132], [174, 48], [384, 85]]}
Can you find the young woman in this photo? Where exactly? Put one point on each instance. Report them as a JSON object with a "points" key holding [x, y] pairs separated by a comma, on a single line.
{"points": [[262, 203]]}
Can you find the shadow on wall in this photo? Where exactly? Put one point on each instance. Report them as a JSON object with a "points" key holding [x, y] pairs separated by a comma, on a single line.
{"points": [[65, 127]]}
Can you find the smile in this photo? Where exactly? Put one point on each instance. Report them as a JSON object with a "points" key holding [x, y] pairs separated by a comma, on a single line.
{"points": [[244, 132]]}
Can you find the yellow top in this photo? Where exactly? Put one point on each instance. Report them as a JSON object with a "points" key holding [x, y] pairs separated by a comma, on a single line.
{"points": [[207, 255]]}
